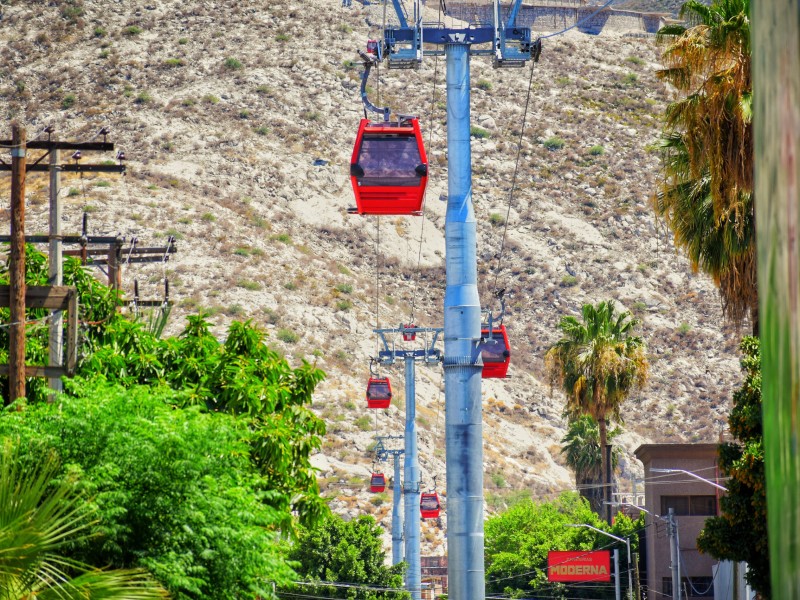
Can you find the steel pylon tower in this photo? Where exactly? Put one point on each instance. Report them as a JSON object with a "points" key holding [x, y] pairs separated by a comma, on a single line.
{"points": [[397, 520], [509, 46], [429, 354]]}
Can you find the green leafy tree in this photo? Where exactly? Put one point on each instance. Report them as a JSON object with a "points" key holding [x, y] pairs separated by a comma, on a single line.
{"points": [[345, 552], [174, 491], [518, 542], [97, 307], [581, 450], [241, 376], [740, 532], [708, 147], [598, 363], [38, 523]]}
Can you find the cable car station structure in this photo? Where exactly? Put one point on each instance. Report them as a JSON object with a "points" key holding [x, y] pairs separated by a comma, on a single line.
{"points": [[403, 46]]}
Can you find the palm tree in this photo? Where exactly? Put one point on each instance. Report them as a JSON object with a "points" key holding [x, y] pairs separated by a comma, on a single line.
{"points": [[597, 364], [720, 247], [581, 450], [708, 135], [37, 520]]}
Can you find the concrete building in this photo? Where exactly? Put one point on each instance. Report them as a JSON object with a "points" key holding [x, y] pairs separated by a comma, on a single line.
{"points": [[434, 576], [692, 501]]}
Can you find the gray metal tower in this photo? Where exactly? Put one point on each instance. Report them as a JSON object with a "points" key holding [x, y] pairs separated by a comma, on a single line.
{"points": [[411, 484], [509, 46]]}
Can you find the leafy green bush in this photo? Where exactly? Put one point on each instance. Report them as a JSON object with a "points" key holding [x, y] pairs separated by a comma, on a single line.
{"points": [[519, 539], [496, 219], [349, 552], [364, 423], [233, 64], [132, 30], [68, 101], [554, 143], [246, 284], [175, 490], [284, 238], [479, 132], [344, 288], [597, 150], [569, 281], [630, 79], [484, 85], [287, 336]]}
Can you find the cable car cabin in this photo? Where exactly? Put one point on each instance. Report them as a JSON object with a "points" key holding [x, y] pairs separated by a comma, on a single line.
{"points": [[379, 392], [496, 352], [429, 506], [409, 336], [372, 47], [377, 483], [389, 168]]}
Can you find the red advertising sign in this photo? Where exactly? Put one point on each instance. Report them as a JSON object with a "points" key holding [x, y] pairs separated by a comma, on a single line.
{"points": [[589, 565]]}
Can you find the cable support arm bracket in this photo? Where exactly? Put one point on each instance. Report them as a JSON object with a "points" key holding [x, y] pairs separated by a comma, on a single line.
{"points": [[369, 61]]}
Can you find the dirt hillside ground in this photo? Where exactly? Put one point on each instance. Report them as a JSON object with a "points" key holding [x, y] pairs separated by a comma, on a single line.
{"points": [[238, 119]]}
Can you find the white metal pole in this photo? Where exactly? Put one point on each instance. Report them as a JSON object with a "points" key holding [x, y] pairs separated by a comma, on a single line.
{"points": [[411, 487], [673, 555], [462, 330], [55, 272]]}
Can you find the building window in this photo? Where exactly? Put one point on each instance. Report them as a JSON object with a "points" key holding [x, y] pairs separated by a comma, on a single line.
{"points": [[693, 587], [689, 506]]}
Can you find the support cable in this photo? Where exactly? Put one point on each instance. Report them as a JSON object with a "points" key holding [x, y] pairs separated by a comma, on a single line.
{"points": [[499, 255], [424, 203], [377, 280], [581, 22]]}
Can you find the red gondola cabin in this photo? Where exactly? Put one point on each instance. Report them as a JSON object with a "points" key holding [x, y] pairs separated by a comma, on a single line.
{"points": [[496, 352], [379, 392], [409, 336], [377, 483], [389, 168], [429, 506]]}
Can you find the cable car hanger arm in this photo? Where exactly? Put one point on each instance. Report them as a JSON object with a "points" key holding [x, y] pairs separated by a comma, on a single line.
{"points": [[369, 106], [499, 294]]}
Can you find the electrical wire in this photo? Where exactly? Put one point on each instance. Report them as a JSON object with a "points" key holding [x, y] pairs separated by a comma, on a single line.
{"points": [[25, 322], [684, 570]]}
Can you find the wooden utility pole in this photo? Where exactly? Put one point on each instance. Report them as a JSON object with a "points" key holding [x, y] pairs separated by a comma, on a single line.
{"points": [[16, 358]]}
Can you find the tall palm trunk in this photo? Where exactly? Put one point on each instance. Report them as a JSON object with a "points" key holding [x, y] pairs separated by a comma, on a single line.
{"points": [[604, 467]]}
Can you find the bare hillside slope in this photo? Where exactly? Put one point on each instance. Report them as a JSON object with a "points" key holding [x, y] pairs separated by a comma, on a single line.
{"points": [[238, 120]]}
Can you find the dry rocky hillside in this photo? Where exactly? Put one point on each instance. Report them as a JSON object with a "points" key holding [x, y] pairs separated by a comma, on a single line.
{"points": [[238, 118]]}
